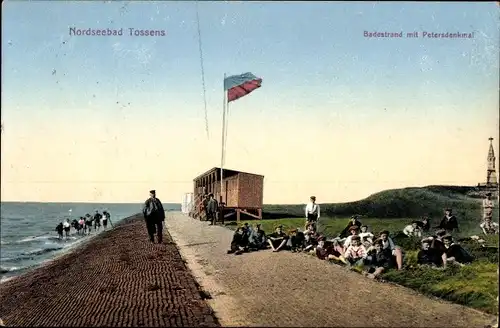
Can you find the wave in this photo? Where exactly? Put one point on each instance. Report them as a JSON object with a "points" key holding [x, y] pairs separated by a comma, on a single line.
{"points": [[11, 269], [39, 238], [40, 251]]}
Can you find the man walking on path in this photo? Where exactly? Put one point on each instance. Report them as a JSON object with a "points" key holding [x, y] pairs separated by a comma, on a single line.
{"points": [[312, 213], [212, 208], [154, 214]]}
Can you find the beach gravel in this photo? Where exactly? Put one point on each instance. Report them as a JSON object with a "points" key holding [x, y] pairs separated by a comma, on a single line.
{"points": [[118, 279]]}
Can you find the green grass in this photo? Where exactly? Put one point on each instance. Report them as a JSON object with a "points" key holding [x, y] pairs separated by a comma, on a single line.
{"points": [[475, 285], [397, 203]]}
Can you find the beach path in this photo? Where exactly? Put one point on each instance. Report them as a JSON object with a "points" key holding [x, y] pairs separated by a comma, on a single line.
{"points": [[117, 279], [289, 289]]}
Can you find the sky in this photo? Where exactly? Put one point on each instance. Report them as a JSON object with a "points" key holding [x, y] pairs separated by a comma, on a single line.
{"points": [[339, 115]]}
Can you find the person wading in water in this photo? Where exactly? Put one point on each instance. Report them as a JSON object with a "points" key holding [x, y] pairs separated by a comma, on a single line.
{"points": [[67, 227], [154, 214]]}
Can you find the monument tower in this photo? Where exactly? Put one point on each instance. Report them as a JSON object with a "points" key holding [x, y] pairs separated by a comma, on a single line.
{"points": [[491, 176]]}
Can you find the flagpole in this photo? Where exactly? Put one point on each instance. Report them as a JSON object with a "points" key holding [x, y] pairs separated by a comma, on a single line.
{"points": [[223, 141]]}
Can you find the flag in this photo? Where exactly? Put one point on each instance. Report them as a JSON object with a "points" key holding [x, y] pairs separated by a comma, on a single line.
{"points": [[238, 86]]}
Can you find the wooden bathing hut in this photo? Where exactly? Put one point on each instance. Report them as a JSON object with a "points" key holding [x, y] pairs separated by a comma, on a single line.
{"points": [[242, 193]]}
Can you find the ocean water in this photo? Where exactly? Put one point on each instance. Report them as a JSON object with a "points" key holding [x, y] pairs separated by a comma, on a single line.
{"points": [[28, 237]]}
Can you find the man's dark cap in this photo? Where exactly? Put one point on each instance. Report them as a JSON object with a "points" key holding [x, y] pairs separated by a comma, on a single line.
{"points": [[152, 191], [384, 232], [313, 197], [448, 209]]}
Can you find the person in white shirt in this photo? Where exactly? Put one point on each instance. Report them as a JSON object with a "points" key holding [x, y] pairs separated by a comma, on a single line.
{"points": [[396, 251], [67, 227], [366, 234], [488, 205], [489, 227], [413, 230], [354, 230], [312, 213]]}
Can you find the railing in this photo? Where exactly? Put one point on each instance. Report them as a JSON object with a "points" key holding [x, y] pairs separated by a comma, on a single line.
{"points": [[198, 211]]}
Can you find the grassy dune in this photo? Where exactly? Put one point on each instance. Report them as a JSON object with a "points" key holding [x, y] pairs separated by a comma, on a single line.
{"points": [[475, 285]]}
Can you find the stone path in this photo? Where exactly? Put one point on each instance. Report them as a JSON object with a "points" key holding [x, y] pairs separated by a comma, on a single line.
{"points": [[119, 279], [296, 290]]}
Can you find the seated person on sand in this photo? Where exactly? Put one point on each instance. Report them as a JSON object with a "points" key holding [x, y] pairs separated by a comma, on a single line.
{"points": [[396, 251], [364, 233], [488, 226], [257, 239], [456, 253], [449, 222], [247, 231], [356, 253], [352, 222], [367, 242], [278, 239], [353, 231], [297, 241], [412, 230], [424, 224], [238, 244], [327, 250], [432, 257], [437, 241], [310, 237], [379, 260]]}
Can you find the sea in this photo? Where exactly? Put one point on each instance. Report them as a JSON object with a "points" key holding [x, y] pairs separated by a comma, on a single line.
{"points": [[28, 237]]}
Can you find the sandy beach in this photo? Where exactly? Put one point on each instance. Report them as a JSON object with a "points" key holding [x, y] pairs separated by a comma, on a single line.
{"points": [[117, 279]]}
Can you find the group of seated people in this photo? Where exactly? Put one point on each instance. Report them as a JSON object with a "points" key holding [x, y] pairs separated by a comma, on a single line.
{"points": [[357, 246]]}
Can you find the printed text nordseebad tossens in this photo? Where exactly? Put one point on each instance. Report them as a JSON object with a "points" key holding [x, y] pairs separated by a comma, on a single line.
{"points": [[115, 32]]}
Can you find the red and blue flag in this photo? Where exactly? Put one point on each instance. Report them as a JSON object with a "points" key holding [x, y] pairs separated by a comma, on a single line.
{"points": [[238, 86]]}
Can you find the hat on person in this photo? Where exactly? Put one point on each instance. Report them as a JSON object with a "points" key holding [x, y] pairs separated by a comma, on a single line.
{"points": [[313, 197], [384, 232], [441, 232], [448, 237], [378, 242], [447, 209], [152, 191]]}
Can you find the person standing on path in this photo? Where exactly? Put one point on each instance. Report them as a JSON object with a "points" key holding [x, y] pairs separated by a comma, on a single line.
{"points": [[212, 208], [312, 213], [154, 215]]}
